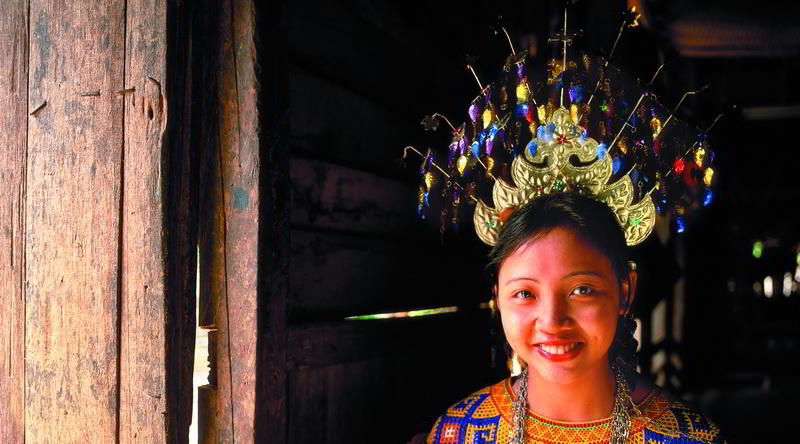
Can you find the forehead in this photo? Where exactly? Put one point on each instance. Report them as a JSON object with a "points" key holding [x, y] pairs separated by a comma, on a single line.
{"points": [[558, 252]]}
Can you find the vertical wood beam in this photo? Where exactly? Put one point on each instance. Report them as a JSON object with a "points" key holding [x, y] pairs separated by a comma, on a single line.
{"points": [[13, 150], [143, 397], [72, 221], [159, 216], [244, 239], [240, 165]]}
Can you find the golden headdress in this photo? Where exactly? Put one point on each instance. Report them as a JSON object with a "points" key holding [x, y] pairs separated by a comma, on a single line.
{"points": [[591, 131]]}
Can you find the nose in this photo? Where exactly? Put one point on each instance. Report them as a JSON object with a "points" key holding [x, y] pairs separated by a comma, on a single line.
{"points": [[552, 314]]}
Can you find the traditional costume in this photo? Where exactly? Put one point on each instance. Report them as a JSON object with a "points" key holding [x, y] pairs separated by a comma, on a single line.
{"points": [[486, 416], [579, 126]]}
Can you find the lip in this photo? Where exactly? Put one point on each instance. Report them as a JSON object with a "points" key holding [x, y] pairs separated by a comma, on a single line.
{"points": [[563, 357]]}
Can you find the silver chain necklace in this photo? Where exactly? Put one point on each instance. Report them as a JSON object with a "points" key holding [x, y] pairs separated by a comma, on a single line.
{"points": [[620, 417]]}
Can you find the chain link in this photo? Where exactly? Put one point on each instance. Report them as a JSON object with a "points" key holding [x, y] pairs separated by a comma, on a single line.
{"points": [[620, 421]]}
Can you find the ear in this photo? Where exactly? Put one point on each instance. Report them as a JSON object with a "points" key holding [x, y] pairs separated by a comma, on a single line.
{"points": [[628, 292]]}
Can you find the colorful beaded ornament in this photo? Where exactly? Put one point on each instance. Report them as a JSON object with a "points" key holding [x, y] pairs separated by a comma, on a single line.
{"points": [[579, 126]]}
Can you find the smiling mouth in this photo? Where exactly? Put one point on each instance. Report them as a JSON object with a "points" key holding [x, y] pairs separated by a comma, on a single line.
{"points": [[558, 349], [560, 352]]}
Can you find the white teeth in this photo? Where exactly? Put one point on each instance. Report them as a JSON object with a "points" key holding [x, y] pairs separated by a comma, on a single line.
{"points": [[558, 349]]}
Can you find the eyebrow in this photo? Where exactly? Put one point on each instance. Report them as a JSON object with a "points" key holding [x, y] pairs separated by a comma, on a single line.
{"points": [[574, 273]]}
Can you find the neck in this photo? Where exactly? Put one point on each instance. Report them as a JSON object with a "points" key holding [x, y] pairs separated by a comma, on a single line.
{"points": [[588, 398]]}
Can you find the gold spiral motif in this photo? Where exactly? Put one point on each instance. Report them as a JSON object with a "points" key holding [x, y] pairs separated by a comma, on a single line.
{"points": [[552, 170]]}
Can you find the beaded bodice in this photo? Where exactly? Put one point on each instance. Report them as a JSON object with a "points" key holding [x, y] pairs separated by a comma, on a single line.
{"points": [[486, 417]]}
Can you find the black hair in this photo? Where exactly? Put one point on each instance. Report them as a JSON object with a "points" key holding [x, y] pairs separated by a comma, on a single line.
{"points": [[596, 224], [592, 220]]}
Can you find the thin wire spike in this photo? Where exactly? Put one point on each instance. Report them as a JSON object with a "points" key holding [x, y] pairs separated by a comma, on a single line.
{"points": [[409, 147], [485, 168], [616, 41], [684, 155], [656, 73], [605, 65], [513, 52], [445, 119], [719, 116], [625, 125], [714, 122], [405, 153], [469, 67], [687, 94]]}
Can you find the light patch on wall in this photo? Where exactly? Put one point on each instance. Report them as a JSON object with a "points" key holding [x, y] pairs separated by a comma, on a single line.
{"points": [[404, 314]]}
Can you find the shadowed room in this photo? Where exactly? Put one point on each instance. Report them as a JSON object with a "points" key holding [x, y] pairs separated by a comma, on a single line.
{"points": [[215, 228]]}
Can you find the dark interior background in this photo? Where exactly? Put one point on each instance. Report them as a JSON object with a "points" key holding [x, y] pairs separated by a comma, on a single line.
{"points": [[363, 73]]}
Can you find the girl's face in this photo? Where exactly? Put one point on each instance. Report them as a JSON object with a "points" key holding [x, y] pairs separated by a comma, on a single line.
{"points": [[559, 300]]}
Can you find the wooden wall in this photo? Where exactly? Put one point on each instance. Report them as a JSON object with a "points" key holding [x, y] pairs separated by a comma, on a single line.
{"points": [[357, 246], [238, 207], [91, 263], [302, 216]]}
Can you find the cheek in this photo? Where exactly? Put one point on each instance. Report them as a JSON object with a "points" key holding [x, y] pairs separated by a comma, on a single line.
{"points": [[599, 321], [515, 325]]}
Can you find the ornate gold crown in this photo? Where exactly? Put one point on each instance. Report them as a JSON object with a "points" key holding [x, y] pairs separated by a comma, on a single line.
{"points": [[527, 148], [550, 170]]}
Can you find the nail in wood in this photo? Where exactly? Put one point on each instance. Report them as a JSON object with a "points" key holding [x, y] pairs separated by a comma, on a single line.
{"points": [[39, 108]]}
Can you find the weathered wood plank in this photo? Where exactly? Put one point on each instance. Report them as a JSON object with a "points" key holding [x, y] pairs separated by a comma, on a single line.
{"points": [[159, 238], [336, 275], [329, 196], [308, 416], [72, 221], [412, 368], [143, 397], [207, 399], [329, 343], [328, 122], [236, 312], [13, 151]]}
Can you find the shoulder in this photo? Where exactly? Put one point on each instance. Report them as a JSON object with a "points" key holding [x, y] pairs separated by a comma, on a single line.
{"points": [[478, 414], [665, 418]]}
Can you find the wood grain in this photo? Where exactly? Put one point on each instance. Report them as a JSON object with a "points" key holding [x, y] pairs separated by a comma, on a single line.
{"points": [[329, 343], [333, 197], [239, 163], [13, 151], [334, 275], [352, 381], [72, 222], [143, 385]]}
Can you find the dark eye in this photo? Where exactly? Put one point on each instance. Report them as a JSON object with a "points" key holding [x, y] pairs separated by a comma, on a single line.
{"points": [[523, 294], [583, 290]]}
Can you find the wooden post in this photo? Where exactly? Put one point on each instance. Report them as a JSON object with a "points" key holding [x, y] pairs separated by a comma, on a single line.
{"points": [[159, 238], [72, 226], [13, 152], [98, 222], [244, 238]]}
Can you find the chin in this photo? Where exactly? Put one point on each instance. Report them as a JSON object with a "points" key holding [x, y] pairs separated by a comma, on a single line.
{"points": [[556, 374]]}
